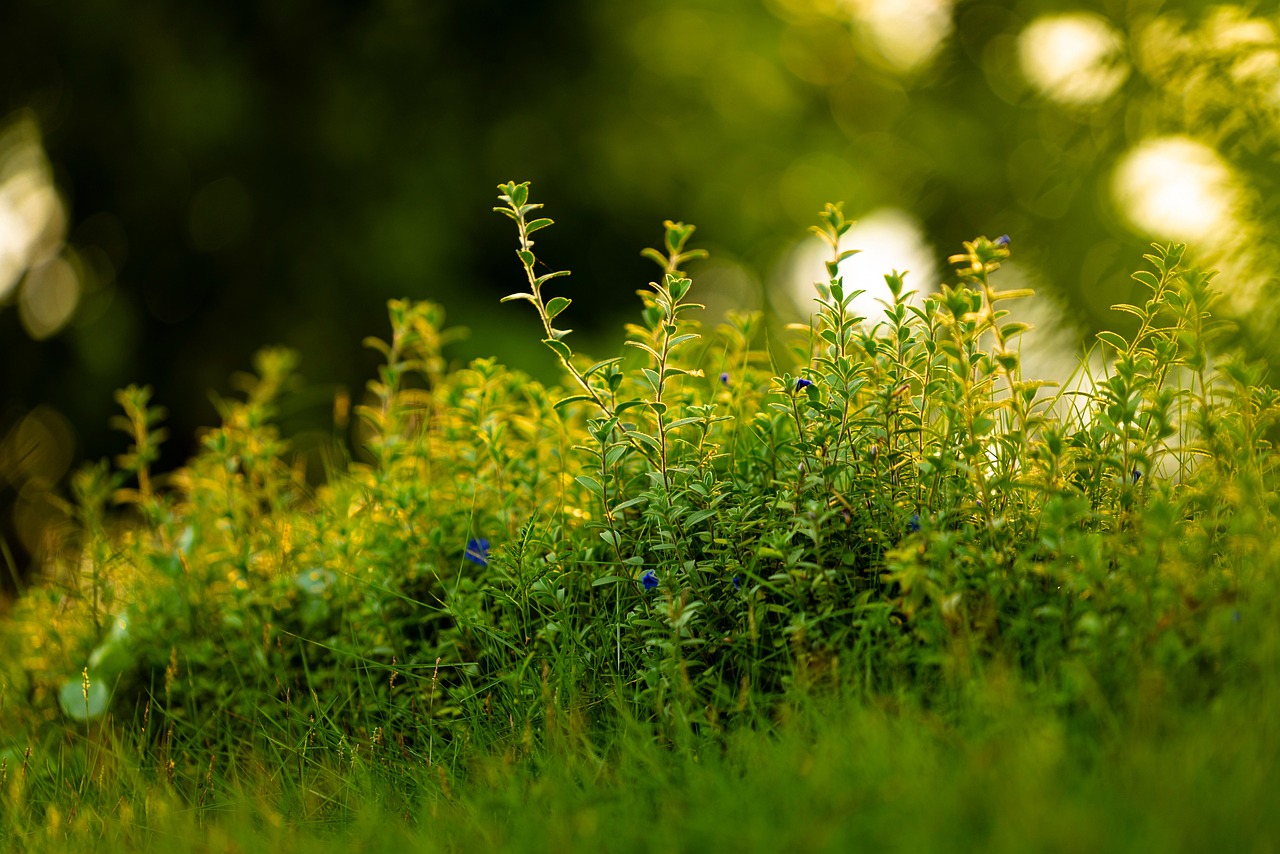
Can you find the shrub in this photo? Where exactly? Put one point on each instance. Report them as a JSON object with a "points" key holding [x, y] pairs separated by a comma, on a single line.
{"points": [[692, 530]]}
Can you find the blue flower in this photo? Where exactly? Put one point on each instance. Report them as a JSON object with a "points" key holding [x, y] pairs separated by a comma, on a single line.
{"points": [[913, 524], [1003, 240], [477, 551], [737, 583], [803, 383], [649, 580], [724, 378], [1137, 475]]}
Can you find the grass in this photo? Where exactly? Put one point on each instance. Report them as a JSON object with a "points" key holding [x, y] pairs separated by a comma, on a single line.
{"points": [[868, 586], [835, 776]]}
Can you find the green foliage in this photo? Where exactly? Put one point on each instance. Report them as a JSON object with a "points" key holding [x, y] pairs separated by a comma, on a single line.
{"points": [[689, 539]]}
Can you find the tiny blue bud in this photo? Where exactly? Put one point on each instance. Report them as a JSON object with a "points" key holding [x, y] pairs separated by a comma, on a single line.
{"points": [[913, 524], [1003, 240], [649, 580], [477, 551], [1137, 475], [737, 583], [724, 378], [803, 383]]}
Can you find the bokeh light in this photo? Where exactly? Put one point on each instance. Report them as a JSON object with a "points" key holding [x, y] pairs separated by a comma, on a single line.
{"points": [[907, 34], [888, 239], [1076, 58], [1175, 187], [48, 298], [35, 453], [32, 233]]}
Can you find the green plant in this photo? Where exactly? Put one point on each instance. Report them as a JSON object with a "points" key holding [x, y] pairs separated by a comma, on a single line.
{"points": [[693, 539]]}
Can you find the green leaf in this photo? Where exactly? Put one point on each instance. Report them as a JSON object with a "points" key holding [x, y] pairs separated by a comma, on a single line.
{"points": [[591, 484], [680, 339], [541, 280], [1115, 340], [560, 348], [655, 256], [375, 343], [537, 224], [526, 257], [573, 398], [608, 579], [1129, 309], [598, 365], [700, 516], [557, 305], [628, 404], [510, 297], [1147, 278], [632, 502], [640, 345], [646, 439]]}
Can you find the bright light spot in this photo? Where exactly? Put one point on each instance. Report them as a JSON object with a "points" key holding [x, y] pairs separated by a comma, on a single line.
{"points": [[1177, 188], [32, 220], [1074, 58], [48, 297], [890, 239], [907, 33]]}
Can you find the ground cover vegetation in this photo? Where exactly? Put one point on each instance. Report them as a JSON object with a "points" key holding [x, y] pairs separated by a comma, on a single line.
{"points": [[869, 585]]}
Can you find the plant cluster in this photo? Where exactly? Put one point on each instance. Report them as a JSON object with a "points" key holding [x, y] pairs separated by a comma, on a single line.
{"points": [[690, 531]]}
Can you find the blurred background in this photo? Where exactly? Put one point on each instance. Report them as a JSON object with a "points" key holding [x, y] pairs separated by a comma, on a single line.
{"points": [[183, 183]]}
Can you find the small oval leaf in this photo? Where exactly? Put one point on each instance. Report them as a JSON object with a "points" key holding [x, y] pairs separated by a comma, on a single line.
{"points": [[560, 348], [557, 305]]}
